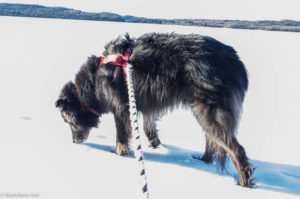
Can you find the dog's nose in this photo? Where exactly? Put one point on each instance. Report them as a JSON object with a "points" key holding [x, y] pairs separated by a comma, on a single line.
{"points": [[78, 140]]}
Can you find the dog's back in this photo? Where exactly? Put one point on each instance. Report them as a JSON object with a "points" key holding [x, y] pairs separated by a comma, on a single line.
{"points": [[170, 69]]}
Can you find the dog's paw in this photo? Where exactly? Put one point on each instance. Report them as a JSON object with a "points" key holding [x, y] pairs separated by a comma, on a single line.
{"points": [[204, 158], [154, 143], [122, 150], [246, 180]]}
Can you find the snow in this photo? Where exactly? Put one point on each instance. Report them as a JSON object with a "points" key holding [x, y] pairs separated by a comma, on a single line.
{"points": [[37, 154]]}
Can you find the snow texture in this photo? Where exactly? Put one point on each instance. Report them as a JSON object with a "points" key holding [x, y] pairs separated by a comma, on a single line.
{"points": [[39, 160]]}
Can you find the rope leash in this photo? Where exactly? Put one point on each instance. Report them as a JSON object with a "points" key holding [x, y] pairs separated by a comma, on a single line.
{"points": [[133, 114], [138, 153]]}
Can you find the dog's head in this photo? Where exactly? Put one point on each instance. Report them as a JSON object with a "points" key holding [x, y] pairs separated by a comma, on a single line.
{"points": [[75, 114]]}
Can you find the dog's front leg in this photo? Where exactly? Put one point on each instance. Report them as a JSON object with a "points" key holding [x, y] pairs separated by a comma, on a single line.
{"points": [[150, 129], [123, 133]]}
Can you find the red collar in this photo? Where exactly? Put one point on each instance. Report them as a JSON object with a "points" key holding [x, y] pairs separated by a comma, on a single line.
{"points": [[84, 102]]}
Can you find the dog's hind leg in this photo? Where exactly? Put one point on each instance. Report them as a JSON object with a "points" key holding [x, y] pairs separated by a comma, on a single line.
{"points": [[150, 129], [208, 155], [219, 124], [212, 152]]}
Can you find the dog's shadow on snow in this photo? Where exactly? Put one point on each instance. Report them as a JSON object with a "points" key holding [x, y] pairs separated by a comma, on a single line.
{"points": [[268, 176]]}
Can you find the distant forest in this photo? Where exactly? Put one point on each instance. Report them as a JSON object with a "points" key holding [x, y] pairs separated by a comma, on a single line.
{"points": [[26, 10]]}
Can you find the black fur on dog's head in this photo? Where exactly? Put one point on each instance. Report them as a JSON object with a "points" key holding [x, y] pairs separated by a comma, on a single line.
{"points": [[75, 113]]}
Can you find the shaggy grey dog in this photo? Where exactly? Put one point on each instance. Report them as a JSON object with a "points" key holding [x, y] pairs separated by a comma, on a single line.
{"points": [[168, 70]]}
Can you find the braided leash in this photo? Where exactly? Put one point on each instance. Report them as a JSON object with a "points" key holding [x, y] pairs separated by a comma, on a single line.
{"points": [[133, 114], [135, 131]]}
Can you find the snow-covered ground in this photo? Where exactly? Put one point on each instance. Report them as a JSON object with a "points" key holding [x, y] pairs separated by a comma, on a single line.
{"points": [[37, 156]]}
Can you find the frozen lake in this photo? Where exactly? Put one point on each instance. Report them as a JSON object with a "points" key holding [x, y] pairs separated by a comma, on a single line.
{"points": [[38, 56]]}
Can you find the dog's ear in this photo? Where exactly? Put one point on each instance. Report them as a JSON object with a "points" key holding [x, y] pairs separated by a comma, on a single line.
{"points": [[60, 103], [68, 97]]}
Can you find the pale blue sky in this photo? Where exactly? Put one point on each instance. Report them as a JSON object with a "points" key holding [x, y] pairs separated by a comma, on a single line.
{"points": [[209, 9]]}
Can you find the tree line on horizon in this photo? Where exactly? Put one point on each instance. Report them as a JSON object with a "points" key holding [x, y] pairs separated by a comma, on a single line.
{"points": [[28, 10]]}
